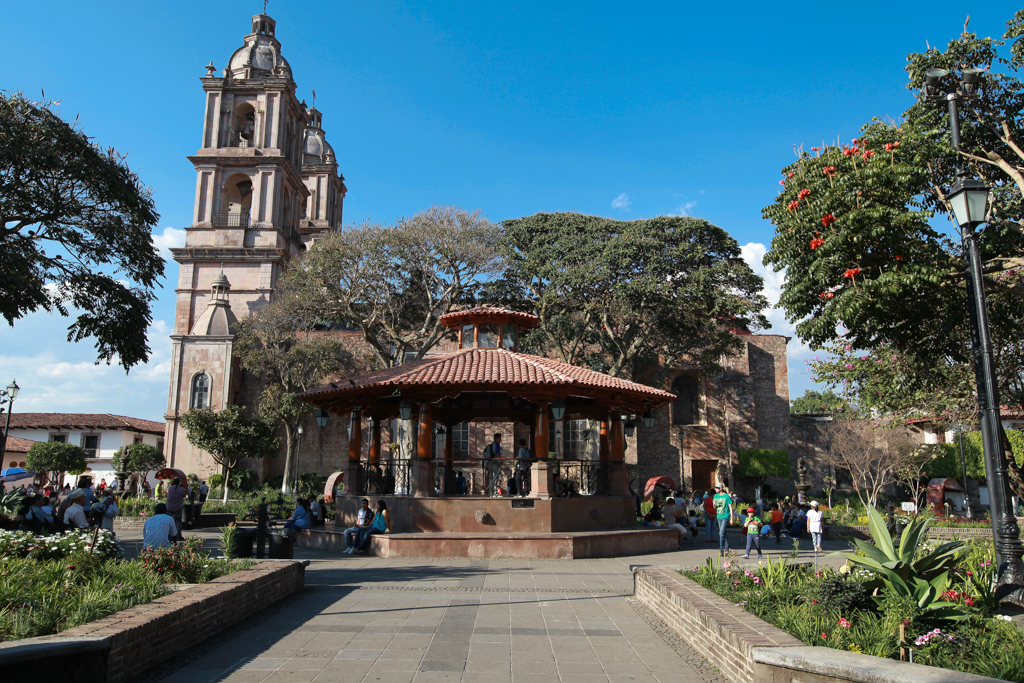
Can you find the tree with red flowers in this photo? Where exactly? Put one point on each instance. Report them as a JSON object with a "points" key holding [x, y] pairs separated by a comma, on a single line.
{"points": [[862, 229]]}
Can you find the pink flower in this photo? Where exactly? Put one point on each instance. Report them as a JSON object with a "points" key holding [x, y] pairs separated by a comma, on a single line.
{"points": [[727, 565], [849, 366], [844, 623], [757, 579]]}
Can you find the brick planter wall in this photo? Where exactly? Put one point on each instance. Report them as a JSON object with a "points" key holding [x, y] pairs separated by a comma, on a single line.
{"points": [[136, 522], [747, 649], [127, 643], [938, 533]]}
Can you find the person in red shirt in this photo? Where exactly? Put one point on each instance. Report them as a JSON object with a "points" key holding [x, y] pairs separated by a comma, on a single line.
{"points": [[777, 522], [709, 517]]}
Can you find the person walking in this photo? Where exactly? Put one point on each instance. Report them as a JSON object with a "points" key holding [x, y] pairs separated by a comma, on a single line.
{"points": [[815, 524], [723, 513], [753, 527], [777, 523], [176, 494]]}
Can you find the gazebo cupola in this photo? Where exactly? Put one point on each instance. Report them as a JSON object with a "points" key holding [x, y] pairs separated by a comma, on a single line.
{"points": [[489, 327]]}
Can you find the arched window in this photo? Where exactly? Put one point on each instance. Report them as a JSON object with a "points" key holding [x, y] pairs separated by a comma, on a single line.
{"points": [[200, 392], [686, 407]]}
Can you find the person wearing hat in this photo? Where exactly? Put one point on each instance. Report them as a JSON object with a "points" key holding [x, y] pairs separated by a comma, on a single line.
{"points": [[709, 517], [176, 494], [107, 511], [159, 531], [74, 517], [815, 523], [753, 526], [723, 512]]}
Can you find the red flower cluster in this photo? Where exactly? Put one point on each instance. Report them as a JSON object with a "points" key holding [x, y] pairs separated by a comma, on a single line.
{"points": [[850, 151], [852, 273], [828, 219], [793, 205], [826, 295], [816, 242], [867, 154], [898, 257], [890, 146], [829, 171], [802, 194]]}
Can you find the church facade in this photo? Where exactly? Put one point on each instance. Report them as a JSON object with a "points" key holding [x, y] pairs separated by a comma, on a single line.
{"points": [[268, 185]]}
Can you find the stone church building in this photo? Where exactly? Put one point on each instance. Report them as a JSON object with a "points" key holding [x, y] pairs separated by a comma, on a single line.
{"points": [[268, 184]]}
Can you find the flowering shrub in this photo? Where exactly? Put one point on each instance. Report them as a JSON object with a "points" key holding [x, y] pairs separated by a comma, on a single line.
{"points": [[185, 563], [18, 544]]}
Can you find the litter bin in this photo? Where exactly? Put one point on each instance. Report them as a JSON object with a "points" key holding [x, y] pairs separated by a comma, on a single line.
{"points": [[282, 546], [241, 543], [188, 515]]}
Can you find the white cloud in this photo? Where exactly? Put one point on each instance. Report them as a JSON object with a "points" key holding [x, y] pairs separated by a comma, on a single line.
{"points": [[170, 238], [621, 202], [685, 209]]}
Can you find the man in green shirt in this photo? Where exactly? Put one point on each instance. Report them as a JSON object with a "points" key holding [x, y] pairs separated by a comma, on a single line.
{"points": [[723, 509]]}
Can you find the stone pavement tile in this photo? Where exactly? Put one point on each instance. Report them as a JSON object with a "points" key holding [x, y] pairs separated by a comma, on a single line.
{"points": [[531, 678], [442, 665], [265, 663], [438, 677], [390, 677], [537, 657], [291, 676], [393, 665], [590, 667], [360, 654], [240, 676], [582, 678], [488, 666], [520, 667], [201, 675], [633, 668], [306, 663], [490, 638], [470, 677], [458, 653], [627, 678]]}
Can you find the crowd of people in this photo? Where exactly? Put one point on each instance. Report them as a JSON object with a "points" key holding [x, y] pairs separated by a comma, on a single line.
{"points": [[722, 508]]}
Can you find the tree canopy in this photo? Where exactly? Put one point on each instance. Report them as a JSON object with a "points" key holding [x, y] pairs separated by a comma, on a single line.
{"points": [[55, 458], [817, 402], [230, 435], [70, 212], [392, 283], [861, 227], [630, 297], [761, 463]]}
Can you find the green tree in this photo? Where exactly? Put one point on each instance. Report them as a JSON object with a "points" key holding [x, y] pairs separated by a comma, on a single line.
{"points": [[137, 460], [75, 231], [631, 298], [855, 229], [281, 344], [392, 283], [55, 458], [760, 463], [816, 402], [230, 435]]}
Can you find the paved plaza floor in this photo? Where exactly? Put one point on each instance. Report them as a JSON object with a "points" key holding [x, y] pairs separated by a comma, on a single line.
{"points": [[373, 620]]}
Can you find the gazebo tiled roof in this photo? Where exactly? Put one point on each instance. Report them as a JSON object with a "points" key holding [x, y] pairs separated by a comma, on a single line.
{"points": [[526, 321], [483, 370]]}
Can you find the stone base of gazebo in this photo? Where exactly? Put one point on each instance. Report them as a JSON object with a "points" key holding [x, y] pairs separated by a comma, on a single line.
{"points": [[480, 514], [517, 546]]}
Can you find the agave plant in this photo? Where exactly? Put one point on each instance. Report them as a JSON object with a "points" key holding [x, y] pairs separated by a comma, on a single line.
{"points": [[902, 572], [10, 501]]}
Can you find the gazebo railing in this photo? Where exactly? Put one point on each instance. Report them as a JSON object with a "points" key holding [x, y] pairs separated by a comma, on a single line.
{"points": [[483, 476]]}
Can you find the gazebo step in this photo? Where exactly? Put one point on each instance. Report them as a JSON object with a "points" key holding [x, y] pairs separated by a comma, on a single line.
{"points": [[503, 545]]}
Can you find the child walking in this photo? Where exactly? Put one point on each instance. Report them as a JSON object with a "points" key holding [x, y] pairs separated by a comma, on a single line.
{"points": [[753, 525]]}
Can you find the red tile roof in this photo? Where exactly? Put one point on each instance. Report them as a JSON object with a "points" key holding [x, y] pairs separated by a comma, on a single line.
{"points": [[86, 420], [455, 320], [488, 366], [18, 445]]}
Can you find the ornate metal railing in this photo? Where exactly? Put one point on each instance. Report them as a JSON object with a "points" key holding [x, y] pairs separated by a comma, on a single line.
{"points": [[582, 477], [385, 478], [230, 220]]}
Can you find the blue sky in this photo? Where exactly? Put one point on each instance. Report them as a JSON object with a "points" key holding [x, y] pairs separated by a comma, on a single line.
{"points": [[511, 108]]}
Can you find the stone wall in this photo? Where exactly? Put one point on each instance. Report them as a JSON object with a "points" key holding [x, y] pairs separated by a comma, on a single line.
{"points": [[127, 643]]}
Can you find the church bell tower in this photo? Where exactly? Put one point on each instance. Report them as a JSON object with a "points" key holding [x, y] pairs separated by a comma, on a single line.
{"points": [[267, 186]]}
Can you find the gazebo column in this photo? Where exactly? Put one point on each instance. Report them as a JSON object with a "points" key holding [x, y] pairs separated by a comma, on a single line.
{"points": [[353, 476], [422, 469], [604, 448], [374, 456], [541, 481], [449, 460], [618, 477]]}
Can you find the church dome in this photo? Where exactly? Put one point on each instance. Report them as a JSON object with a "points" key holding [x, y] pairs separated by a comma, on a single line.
{"points": [[218, 319], [260, 55], [315, 148]]}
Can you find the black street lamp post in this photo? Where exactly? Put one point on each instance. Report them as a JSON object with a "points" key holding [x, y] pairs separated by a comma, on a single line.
{"points": [[969, 201], [7, 396]]}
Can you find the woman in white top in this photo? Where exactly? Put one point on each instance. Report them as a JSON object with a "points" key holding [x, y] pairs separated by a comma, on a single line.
{"points": [[814, 525]]}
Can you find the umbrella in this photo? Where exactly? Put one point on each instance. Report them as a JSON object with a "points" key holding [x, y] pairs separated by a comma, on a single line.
{"points": [[15, 474], [665, 482], [171, 473], [334, 482]]}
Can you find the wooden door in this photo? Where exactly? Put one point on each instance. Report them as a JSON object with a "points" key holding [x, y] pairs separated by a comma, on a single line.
{"points": [[703, 474]]}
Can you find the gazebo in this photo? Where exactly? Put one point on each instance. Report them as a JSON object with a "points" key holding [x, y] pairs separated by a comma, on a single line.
{"points": [[486, 378]]}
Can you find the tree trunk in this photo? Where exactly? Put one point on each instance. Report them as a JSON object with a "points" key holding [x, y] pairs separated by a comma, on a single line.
{"points": [[289, 458], [226, 473]]}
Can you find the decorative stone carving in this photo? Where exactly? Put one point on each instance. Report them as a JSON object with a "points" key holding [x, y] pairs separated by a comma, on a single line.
{"points": [[483, 516]]}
